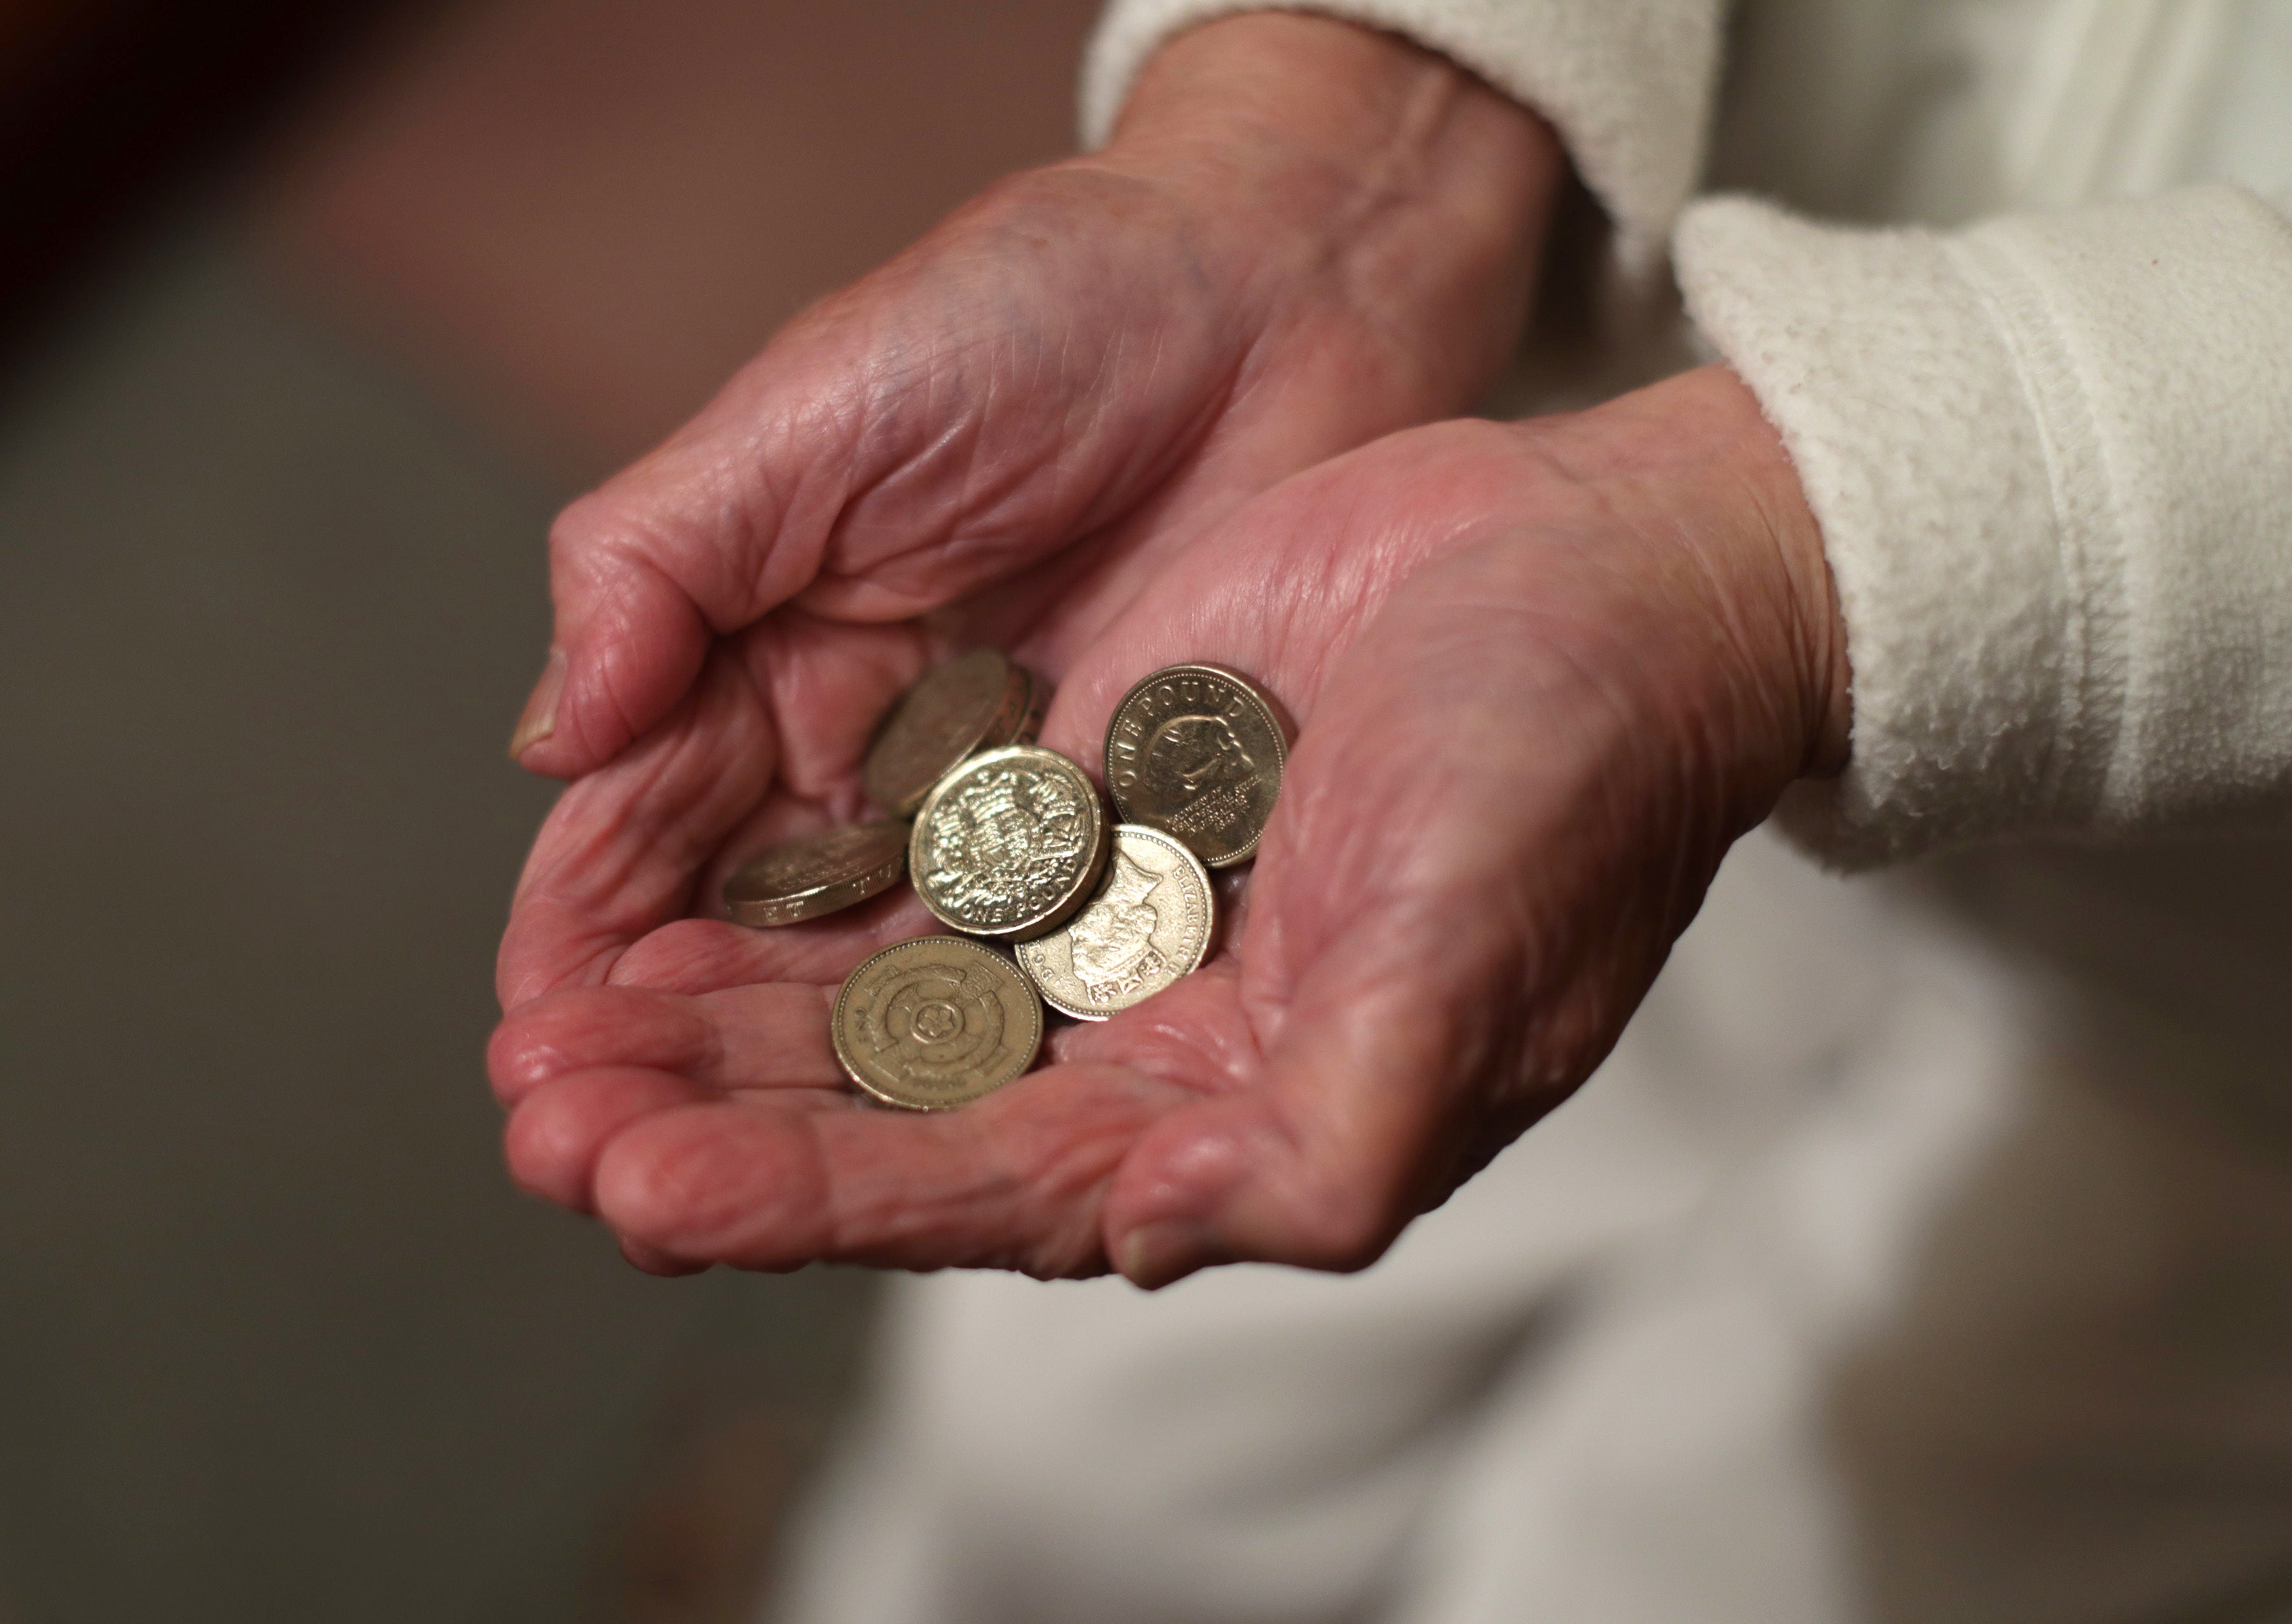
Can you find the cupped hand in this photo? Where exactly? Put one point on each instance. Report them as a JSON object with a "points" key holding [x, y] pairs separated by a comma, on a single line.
{"points": [[1545, 674], [1305, 234]]}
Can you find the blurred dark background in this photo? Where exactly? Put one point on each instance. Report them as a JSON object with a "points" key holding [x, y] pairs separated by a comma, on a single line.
{"points": [[309, 318]]}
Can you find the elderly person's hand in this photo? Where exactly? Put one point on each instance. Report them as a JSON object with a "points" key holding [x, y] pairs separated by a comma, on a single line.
{"points": [[1545, 674], [1304, 235]]}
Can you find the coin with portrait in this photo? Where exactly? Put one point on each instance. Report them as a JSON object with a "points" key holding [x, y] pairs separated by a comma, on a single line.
{"points": [[1197, 751], [935, 1022], [1009, 844], [979, 701], [1148, 923], [818, 874]]}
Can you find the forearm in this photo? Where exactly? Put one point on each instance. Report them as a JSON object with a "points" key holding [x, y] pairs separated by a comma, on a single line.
{"points": [[1376, 180], [1727, 643], [1628, 84]]}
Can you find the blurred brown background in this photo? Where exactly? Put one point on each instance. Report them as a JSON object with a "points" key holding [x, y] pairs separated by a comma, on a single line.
{"points": [[309, 318]]}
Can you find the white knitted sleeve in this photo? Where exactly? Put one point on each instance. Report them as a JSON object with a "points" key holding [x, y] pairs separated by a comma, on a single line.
{"points": [[1628, 83], [2051, 459]]}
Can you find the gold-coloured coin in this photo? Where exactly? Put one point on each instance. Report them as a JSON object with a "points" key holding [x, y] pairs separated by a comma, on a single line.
{"points": [[1031, 719], [1009, 844], [936, 1022], [1197, 751], [976, 701], [1148, 923], [818, 874]]}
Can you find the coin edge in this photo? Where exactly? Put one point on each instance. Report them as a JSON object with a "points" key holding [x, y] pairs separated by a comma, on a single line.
{"points": [[806, 905], [907, 806]]}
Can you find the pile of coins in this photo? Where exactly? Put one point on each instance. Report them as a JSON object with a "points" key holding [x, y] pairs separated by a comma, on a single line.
{"points": [[1010, 844]]}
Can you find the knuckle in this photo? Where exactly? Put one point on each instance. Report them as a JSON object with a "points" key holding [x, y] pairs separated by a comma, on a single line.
{"points": [[672, 1190], [642, 1190], [540, 1154], [585, 1027], [1335, 1227], [685, 955], [618, 531], [584, 526], [519, 1056]]}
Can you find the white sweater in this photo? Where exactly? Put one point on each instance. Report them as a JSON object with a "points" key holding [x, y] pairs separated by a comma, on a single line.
{"points": [[2046, 428]]}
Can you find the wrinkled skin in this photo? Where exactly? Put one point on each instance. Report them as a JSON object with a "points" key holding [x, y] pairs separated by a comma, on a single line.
{"points": [[1304, 236], [1544, 674]]}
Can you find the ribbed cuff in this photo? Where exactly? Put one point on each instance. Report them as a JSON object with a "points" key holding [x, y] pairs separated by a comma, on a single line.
{"points": [[2051, 459]]}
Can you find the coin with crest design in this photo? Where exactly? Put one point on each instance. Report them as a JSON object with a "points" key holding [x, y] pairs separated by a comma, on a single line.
{"points": [[1148, 923], [935, 1022], [1009, 844], [976, 701], [1197, 751], [818, 874]]}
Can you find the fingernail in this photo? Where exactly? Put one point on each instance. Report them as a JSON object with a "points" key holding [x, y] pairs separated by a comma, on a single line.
{"points": [[1156, 1255], [539, 720]]}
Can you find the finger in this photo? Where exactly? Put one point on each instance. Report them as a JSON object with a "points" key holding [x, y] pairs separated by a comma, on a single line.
{"points": [[637, 844], [584, 1028], [555, 1132], [700, 538], [1013, 1182], [827, 684], [643, 843], [696, 956], [618, 853], [769, 1036], [1008, 384]]}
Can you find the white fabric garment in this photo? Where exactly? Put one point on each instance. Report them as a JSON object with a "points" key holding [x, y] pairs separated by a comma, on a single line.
{"points": [[1874, 1278], [1925, 1251], [2049, 458]]}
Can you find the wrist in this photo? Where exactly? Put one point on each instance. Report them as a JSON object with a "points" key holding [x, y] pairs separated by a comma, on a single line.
{"points": [[1344, 168], [1708, 478]]}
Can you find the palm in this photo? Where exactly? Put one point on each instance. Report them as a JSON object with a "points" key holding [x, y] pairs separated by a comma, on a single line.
{"points": [[1448, 923]]}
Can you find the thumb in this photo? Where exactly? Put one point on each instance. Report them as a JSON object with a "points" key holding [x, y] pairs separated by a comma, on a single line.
{"points": [[700, 538], [1356, 1125]]}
